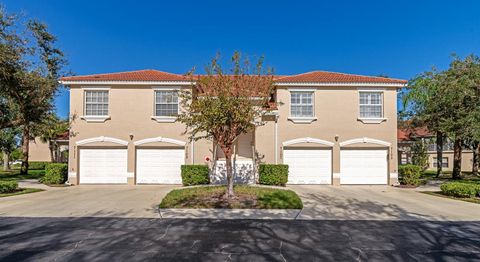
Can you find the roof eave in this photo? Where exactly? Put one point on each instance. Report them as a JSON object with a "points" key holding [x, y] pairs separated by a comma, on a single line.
{"points": [[356, 84]]}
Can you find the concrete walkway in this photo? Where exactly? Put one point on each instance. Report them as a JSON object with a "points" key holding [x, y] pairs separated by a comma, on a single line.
{"points": [[380, 203], [320, 203]]}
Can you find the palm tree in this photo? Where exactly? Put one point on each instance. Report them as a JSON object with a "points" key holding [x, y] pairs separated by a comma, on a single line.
{"points": [[49, 130]]}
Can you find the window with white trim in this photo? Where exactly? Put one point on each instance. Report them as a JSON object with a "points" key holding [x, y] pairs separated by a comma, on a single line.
{"points": [[166, 103], [371, 104], [301, 104], [96, 103]]}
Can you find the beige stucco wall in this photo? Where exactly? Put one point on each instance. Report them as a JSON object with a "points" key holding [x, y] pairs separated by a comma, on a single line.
{"points": [[38, 151], [467, 160], [336, 109]]}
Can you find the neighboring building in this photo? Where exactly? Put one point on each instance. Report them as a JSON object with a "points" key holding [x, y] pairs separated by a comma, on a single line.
{"points": [[39, 151], [330, 128], [406, 137]]}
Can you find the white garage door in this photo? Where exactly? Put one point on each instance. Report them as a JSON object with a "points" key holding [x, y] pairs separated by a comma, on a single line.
{"points": [[363, 167], [159, 166], [308, 166], [103, 166]]}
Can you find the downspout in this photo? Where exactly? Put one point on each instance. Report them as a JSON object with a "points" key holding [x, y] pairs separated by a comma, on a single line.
{"points": [[193, 151], [276, 139]]}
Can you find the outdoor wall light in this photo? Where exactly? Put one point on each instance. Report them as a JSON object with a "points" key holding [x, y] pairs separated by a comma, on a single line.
{"points": [[336, 138], [131, 136]]}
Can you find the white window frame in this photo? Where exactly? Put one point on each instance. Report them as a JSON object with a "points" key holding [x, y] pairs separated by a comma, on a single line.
{"points": [[95, 118], [300, 119], [372, 120], [164, 119]]}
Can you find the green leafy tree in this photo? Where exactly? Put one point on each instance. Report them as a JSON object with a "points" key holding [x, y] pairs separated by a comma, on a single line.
{"points": [[30, 65], [419, 154], [223, 106], [8, 143], [422, 108]]}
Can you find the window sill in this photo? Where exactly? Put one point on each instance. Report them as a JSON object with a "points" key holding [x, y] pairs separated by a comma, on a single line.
{"points": [[97, 119], [165, 119], [302, 120], [372, 120]]}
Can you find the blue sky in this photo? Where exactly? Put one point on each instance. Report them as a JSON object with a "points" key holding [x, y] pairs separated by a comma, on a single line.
{"points": [[396, 38]]}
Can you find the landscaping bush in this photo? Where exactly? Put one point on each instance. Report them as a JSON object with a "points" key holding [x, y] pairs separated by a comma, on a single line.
{"points": [[460, 189], [55, 173], [195, 175], [410, 174], [272, 174], [37, 165], [8, 186]]}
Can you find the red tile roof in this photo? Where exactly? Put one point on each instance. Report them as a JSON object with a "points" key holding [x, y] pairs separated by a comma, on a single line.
{"points": [[406, 134], [332, 77], [140, 75], [311, 77]]}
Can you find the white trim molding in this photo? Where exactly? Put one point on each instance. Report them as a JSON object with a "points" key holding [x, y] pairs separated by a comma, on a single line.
{"points": [[159, 139], [372, 120], [95, 88], [95, 119], [165, 119], [144, 83], [301, 120], [364, 140], [102, 139], [166, 88], [307, 140], [309, 84]]}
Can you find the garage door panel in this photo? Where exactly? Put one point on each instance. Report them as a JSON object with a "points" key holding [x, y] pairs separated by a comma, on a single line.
{"points": [[159, 166], [103, 166], [308, 166], [363, 167]]}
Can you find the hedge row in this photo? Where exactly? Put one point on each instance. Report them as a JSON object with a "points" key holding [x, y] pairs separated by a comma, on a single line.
{"points": [[461, 189], [8, 186], [55, 173], [273, 174], [409, 174], [195, 175]]}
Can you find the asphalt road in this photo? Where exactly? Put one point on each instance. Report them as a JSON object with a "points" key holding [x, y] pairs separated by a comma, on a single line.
{"points": [[133, 239]]}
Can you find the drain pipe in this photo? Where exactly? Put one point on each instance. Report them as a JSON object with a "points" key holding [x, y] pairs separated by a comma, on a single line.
{"points": [[276, 138]]}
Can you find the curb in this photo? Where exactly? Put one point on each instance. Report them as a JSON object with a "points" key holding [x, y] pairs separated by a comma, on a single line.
{"points": [[210, 213]]}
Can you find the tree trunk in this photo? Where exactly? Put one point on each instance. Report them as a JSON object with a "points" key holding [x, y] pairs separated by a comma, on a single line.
{"points": [[25, 149], [439, 142], [228, 163], [51, 148], [457, 159], [475, 164], [6, 161]]}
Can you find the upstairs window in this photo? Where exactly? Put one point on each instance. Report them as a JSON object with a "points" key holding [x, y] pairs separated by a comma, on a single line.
{"points": [[166, 103], [301, 104], [371, 105], [96, 103]]}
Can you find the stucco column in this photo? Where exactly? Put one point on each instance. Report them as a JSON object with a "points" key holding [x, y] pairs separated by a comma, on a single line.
{"points": [[131, 163], [336, 164]]}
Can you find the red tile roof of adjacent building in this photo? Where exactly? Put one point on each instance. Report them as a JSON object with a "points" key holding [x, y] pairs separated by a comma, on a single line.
{"points": [[140, 75], [310, 77], [333, 77], [406, 134]]}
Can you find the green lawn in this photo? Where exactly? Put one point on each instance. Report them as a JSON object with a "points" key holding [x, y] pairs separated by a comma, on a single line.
{"points": [[21, 191], [246, 197], [475, 200], [447, 176], [15, 175]]}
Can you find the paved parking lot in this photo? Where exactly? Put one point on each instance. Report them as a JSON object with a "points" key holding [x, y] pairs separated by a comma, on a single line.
{"points": [[141, 239]]}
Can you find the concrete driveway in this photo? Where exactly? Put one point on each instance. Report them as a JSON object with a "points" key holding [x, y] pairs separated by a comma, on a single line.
{"points": [[380, 203], [88, 201]]}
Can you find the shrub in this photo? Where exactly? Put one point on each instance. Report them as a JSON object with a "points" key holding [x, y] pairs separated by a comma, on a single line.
{"points": [[55, 173], [460, 189], [195, 175], [37, 165], [8, 186], [273, 174], [410, 174]]}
